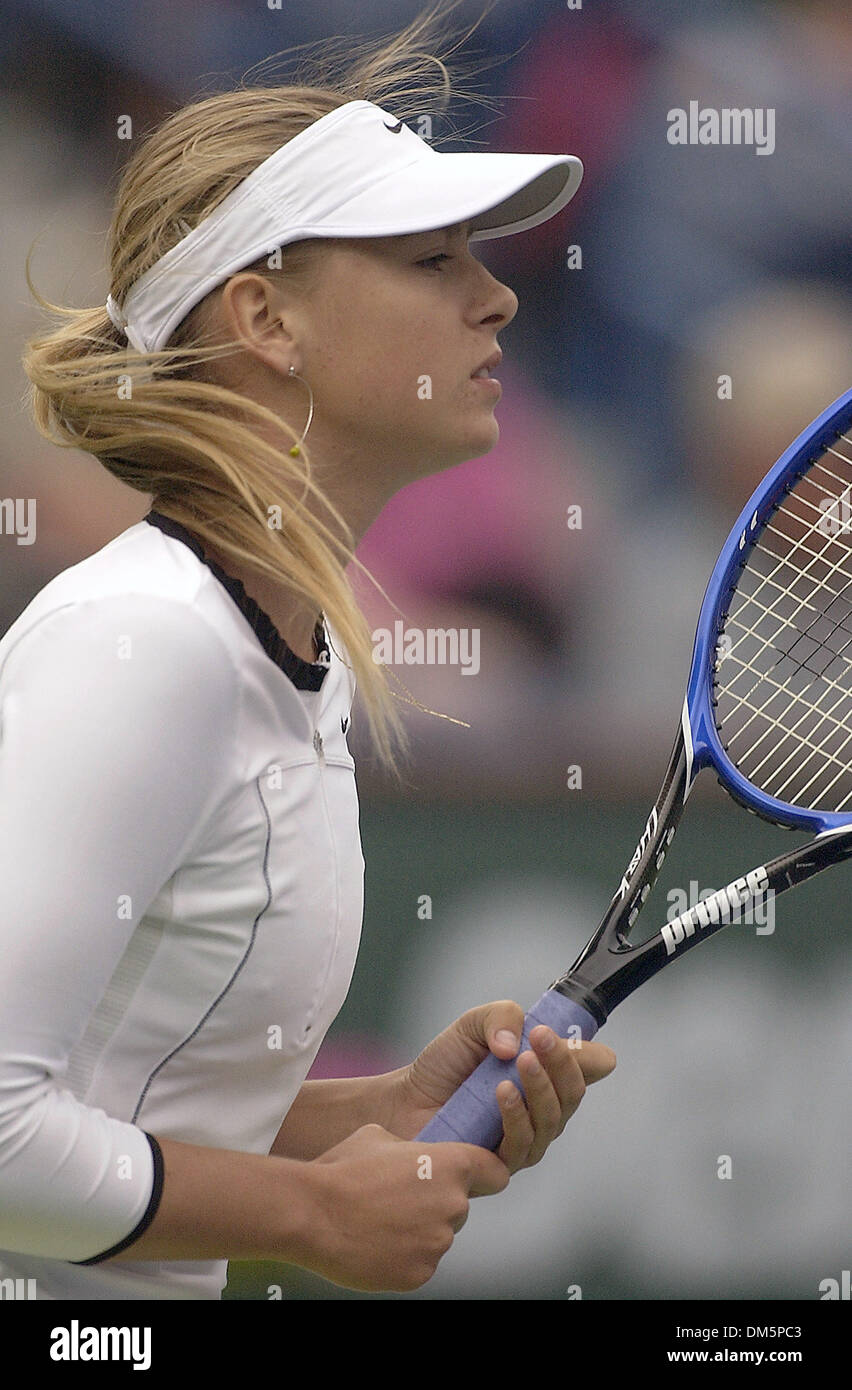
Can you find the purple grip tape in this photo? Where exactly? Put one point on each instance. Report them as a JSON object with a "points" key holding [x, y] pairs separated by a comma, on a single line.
{"points": [[472, 1115]]}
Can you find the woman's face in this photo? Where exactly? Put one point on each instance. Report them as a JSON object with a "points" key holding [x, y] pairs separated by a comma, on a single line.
{"points": [[393, 330]]}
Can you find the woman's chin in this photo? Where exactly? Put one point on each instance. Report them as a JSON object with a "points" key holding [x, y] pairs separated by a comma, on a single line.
{"points": [[482, 440], [441, 454]]}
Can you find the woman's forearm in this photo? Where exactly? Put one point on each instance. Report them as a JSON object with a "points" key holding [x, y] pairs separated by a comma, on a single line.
{"points": [[358, 1216], [326, 1112], [223, 1204]]}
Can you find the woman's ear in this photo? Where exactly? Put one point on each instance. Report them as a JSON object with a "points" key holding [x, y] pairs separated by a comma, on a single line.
{"points": [[253, 316]]}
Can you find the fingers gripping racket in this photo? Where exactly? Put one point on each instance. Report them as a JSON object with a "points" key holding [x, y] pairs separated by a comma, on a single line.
{"points": [[768, 707]]}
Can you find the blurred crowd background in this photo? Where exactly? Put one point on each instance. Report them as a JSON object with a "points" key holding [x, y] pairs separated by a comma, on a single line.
{"points": [[696, 262]]}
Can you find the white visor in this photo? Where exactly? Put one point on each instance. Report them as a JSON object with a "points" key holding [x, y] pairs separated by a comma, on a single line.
{"points": [[356, 172]]}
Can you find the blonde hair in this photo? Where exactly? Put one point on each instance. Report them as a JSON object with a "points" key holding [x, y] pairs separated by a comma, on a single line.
{"points": [[187, 440]]}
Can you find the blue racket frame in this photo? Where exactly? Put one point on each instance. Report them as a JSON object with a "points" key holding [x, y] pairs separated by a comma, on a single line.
{"points": [[706, 745], [610, 967]]}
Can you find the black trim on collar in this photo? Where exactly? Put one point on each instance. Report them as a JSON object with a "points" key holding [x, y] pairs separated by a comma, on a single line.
{"points": [[305, 675]]}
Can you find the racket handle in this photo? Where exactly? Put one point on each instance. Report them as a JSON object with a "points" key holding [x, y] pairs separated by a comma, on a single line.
{"points": [[473, 1115]]}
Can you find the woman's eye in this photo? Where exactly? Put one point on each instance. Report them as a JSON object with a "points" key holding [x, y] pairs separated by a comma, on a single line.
{"points": [[432, 260]]}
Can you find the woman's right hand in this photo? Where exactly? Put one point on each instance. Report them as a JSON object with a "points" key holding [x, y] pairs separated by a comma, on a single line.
{"points": [[381, 1211]]}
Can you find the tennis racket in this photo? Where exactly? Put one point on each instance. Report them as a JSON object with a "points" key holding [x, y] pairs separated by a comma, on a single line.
{"points": [[768, 707]]}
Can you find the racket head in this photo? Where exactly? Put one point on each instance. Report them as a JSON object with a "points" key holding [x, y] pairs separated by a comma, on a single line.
{"points": [[769, 695]]}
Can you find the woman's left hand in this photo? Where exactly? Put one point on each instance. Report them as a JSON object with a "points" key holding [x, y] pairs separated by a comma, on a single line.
{"points": [[554, 1075]]}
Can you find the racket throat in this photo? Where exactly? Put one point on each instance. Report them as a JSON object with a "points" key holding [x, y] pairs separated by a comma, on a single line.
{"points": [[598, 983], [582, 992], [611, 967]]}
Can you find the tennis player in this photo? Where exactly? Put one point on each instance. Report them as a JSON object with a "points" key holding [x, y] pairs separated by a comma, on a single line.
{"points": [[181, 877]]}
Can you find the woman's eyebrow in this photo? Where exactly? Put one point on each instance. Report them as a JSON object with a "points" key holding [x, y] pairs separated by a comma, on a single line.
{"points": [[459, 229], [456, 230]]}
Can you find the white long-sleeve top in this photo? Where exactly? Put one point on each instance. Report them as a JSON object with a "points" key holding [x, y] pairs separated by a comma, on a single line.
{"points": [[181, 897]]}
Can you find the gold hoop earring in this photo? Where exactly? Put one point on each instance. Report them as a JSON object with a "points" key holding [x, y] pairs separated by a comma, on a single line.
{"points": [[297, 448]]}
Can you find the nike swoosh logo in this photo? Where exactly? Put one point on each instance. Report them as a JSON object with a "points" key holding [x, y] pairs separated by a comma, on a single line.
{"points": [[394, 129]]}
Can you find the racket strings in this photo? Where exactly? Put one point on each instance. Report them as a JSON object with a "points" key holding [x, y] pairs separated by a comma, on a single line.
{"points": [[767, 772], [820, 617], [769, 579], [783, 689], [802, 661], [783, 591]]}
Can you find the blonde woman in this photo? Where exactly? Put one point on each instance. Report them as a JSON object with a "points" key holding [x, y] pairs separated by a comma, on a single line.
{"points": [[180, 863]]}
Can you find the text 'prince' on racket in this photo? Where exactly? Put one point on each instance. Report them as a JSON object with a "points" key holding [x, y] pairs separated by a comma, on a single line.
{"points": [[768, 707]]}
